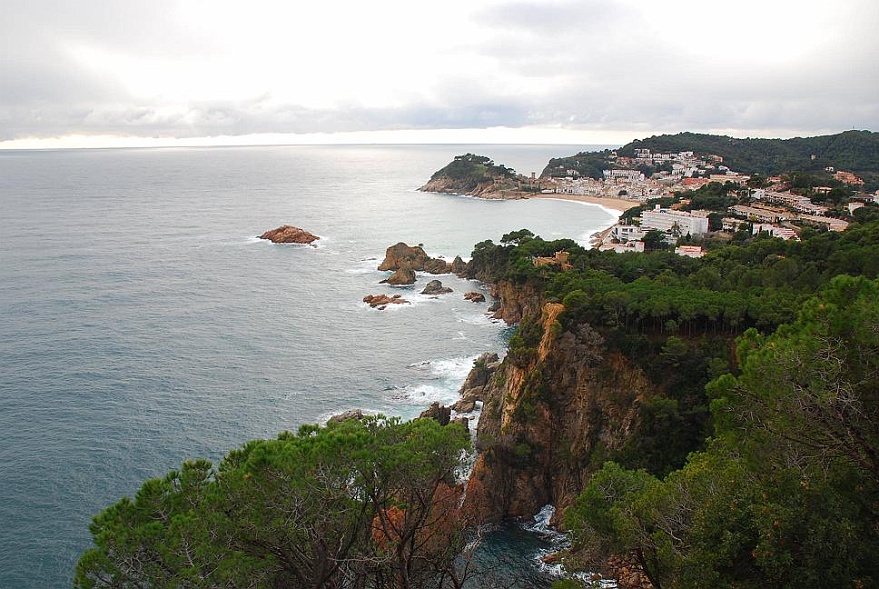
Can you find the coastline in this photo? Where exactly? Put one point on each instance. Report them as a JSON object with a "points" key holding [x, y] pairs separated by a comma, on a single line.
{"points": [[618, 205]]}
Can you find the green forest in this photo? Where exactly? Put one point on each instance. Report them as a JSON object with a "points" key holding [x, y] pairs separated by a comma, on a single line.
{"points": [[759, 465], [854, 151], [470, 170]]}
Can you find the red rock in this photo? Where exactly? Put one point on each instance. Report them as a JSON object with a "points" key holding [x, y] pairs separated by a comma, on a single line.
{"points": [[382, 300], [400, 277], [289, 234]]}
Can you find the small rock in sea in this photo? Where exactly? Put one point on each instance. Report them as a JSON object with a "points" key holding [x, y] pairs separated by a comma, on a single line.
{"points": [[289, 234], [435, 287], [476, 297], [350, 414], [382, 300]]}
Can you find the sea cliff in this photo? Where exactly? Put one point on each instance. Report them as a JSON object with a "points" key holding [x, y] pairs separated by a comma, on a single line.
{"points": [[552, 410]]}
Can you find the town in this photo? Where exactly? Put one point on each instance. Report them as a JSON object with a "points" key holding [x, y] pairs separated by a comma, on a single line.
{"points": [[755, 205]]}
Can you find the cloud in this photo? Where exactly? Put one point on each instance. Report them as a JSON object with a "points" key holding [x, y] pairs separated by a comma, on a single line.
{"points": [[224, 67]]}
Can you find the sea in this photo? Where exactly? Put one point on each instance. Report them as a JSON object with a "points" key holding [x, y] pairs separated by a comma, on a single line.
{"points": [[143, 323]]}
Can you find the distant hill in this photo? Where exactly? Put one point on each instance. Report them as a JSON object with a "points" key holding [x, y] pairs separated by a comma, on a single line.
{"points": [[854, 151]]}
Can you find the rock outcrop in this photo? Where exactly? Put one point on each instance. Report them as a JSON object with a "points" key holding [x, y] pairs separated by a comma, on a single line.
{"points": [[414, 257], [345, 416], [492, 189], [381, 301], [477, 175], [289, 234], [401, 255], [435, 287], [400, 277], [558, 401], [459, 266], [474, 297], [439, 413], [473, 389]]}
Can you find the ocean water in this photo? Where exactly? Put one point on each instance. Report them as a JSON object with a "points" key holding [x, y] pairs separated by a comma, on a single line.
{"points": [[142, 323]]}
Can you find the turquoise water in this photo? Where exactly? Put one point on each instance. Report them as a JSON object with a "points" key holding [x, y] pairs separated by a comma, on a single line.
{"points": [[143, 323]]}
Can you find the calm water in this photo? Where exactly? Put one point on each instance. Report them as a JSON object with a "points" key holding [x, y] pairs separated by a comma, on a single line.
{"points": [[141, 323]]}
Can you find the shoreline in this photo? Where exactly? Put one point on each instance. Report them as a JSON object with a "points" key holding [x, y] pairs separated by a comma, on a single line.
{"points": [[618, 205], [613, 205]]}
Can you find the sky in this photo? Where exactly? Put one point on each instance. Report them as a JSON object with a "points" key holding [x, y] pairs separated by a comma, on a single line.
{"points": [[79, 73]]}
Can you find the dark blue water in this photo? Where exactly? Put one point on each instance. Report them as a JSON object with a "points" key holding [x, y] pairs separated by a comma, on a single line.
{"points": [[141, 323]]}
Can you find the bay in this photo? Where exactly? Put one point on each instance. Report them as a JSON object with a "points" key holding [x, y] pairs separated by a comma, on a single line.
{"points": [[144, 324]]}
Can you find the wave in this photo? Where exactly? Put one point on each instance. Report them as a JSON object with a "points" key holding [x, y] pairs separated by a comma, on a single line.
{"points": [[438, 381], [541, 525]]}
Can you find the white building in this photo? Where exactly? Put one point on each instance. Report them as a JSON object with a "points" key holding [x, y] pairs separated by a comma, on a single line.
{"points": [[626, 233], [627, 175], [667, 220], [621, 248], [775, 231], [690, 251]]}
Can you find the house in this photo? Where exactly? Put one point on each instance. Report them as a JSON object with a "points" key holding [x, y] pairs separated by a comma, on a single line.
{"points": [[759, 214], [690, 251], [668, 220], [775, 231], [625, 233], [694, 183], [624, 175], [732, 224], [828, 223], [561, 259], [621, 248]]}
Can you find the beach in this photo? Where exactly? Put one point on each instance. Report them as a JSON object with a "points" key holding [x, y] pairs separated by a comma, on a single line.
{"points": [[616, 204]]}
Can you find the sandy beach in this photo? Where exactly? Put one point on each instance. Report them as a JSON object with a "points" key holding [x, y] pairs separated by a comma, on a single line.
{"points": [[616, 204]]}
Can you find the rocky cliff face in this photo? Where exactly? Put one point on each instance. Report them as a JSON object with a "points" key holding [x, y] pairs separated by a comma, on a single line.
{"points": [[551, 411], [493, 189]]}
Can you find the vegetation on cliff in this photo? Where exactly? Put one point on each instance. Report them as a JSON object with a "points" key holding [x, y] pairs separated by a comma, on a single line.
{"points": [[369, 502], [786, 494], [749, 457], [675, 317], [476, 175]]}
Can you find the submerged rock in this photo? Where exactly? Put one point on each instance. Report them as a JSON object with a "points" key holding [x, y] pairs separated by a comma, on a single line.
{"points": [[289, 234]]}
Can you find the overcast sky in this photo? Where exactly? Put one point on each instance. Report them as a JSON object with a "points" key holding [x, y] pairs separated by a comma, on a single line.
{"points": [[584, 71]]}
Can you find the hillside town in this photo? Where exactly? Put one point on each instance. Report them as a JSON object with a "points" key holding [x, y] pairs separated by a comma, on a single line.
{"points": [[770, 206]]}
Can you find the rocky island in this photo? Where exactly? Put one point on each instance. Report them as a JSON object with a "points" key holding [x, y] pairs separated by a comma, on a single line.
{"points": [[289, 234], [413, 257], [478, 175]]}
